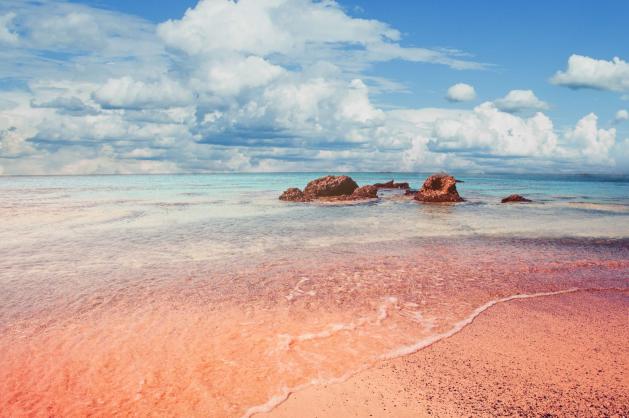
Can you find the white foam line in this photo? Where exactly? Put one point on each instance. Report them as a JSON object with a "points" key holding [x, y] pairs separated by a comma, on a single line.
{"points": [[276, 400], [410, 349], [297, 289], [287, 340]]}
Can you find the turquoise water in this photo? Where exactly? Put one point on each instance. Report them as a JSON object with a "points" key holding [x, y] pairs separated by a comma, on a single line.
{"points": [[564, 205], [113, 224], [595, 187], [245, 208], [575, 188]]}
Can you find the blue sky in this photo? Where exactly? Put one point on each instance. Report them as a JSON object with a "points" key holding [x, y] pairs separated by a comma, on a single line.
{"points": [[525, 42], [118, 86]]}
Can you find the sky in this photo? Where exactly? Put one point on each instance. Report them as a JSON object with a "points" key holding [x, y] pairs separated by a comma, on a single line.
{"points": [[121, 87]]}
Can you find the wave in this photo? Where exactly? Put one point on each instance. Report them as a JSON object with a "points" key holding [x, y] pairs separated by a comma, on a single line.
{"points": [[285, 393], [601, 207]]}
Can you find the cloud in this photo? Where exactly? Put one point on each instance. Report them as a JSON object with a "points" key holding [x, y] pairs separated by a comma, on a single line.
{"points": [[591, 142], [461, 92], [520, 100], [127, 93], [17, 125], [532, 142], [301, 31], [586, 72], [264, 85], [230, 77], [621, 116], [285, 87], [6, 35], [67, 105], [488, 131], [62, 40], [104, 161]]}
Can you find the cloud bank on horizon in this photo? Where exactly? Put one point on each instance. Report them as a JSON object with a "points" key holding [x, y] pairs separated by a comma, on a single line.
{"points": [[267, 85]]}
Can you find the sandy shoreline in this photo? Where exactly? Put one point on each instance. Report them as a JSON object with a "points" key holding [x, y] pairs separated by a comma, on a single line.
{"points": [[562, 355]]}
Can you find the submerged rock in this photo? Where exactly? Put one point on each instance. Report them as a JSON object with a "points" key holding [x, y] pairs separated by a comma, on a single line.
{"points": [[392, 185], [514, 198], [293, 194], [439, 188], [330, 186]]}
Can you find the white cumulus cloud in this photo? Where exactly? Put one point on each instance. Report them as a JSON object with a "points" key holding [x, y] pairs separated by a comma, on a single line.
{"points": [[252, 85], [590, 141], [486, 130], [621, 116], [586, 72], [127, 93], [231, 76], [296, 30], [520, 100], [461, 92]]}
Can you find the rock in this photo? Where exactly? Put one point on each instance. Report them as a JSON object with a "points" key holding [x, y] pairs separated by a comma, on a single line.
{"points": [[331, 189], [330, 186], [392, 185], [293, 194], [515, 198], [365, 192], [439, 188]]}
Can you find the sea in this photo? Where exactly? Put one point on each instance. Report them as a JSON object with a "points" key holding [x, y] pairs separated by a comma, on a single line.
{"points": [[205, 295]]}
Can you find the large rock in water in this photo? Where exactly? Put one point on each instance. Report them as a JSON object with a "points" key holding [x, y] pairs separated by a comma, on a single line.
{"points": [[439, 188], [329, 186], [514, 198], [293, 195], [331, 189], [365, 192]]}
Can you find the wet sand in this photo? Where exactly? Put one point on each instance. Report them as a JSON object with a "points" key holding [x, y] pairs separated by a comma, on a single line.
{"points": [[234, 343], [562, 355]]}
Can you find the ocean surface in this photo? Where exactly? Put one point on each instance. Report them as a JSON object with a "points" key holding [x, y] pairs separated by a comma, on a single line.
{"points": [[204, 295]]}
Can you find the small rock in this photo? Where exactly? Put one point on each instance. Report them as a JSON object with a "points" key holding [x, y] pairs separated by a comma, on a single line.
{"points": [[392, 185], [515, 198], [293, 194]]}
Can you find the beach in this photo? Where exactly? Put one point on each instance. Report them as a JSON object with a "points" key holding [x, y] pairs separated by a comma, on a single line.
{"points": [[314, 209], [561, 355], [208, 296]]}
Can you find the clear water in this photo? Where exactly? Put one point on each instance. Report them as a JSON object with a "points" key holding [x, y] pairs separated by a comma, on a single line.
{"points": [[204, 295]]}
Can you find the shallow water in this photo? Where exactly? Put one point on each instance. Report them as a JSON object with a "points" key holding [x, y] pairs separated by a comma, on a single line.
{"points": [[204, 295]]}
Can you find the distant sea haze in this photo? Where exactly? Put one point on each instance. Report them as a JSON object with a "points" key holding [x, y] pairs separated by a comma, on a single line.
{"points": [[205, 295]]}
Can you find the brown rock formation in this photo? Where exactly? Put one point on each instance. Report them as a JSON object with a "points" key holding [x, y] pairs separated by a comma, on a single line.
{"points": [[365, 192], [514, 198], [330, 186], [439, 188], [331, 189], [392, 185], [293, 194]]}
